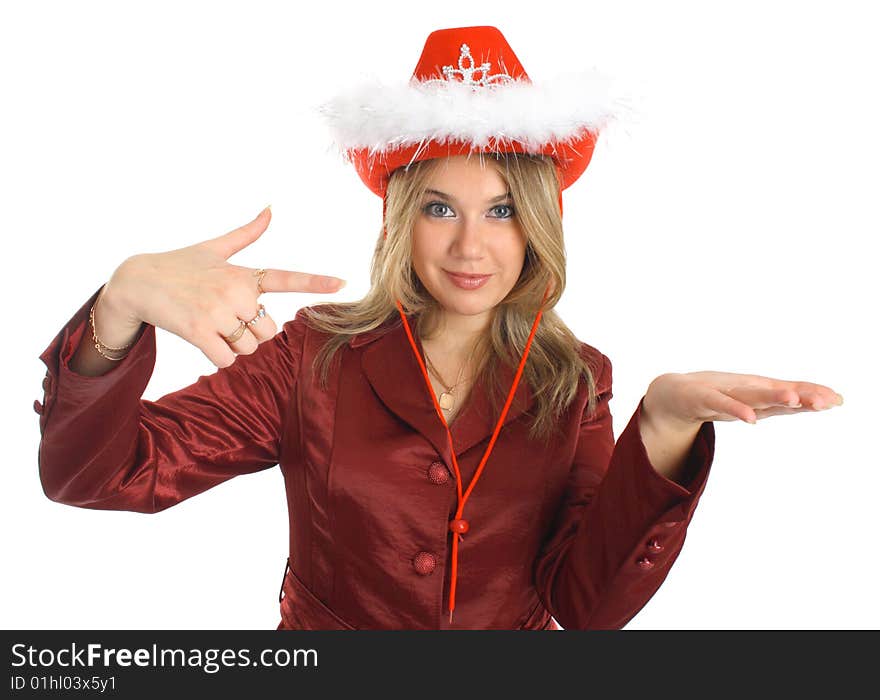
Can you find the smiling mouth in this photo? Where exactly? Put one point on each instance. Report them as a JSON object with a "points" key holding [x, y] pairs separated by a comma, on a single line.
{"points": [[466, 275], [468, 282]]}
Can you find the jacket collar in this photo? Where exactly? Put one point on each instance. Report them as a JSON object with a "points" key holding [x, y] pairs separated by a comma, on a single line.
{"points": [[368, 337], [394, 373]]}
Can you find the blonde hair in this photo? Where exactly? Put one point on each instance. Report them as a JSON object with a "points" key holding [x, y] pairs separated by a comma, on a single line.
{"points": [[554, 365]]}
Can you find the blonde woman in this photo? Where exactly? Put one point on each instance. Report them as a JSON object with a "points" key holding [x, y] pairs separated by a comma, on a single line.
{"points": [[446, 441]]}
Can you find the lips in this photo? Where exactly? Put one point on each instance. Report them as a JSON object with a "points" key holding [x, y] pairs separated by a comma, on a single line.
{"points": [[467, 281], [468, 275]]}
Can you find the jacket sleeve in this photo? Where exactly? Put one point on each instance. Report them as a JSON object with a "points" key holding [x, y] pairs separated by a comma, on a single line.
{"points": [[104, 447], [621, 524]]}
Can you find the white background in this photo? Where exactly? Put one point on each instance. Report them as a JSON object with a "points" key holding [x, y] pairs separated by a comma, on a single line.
{"points": [[732, 226]]}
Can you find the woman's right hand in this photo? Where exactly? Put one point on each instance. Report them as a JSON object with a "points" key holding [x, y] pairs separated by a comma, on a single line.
{"points": [[196, 294]]}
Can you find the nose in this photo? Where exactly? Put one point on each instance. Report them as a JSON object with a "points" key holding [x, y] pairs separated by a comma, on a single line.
{"points": [[469, 240]]}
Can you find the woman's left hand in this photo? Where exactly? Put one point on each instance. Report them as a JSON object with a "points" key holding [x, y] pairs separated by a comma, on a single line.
{"points": [[696, 397]]}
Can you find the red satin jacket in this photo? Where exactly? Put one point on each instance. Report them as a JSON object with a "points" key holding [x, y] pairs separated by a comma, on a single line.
{"points": [[583, 533]]}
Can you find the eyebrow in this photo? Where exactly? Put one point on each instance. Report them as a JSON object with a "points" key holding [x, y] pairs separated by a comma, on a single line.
{"points": [[448, 197]]}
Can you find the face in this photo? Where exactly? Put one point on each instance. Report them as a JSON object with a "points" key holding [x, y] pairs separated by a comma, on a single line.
{"points": [[467, 224]]}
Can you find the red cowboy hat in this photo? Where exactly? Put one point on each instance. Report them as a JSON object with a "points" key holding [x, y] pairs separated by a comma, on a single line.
{"points": [[470, 93]]}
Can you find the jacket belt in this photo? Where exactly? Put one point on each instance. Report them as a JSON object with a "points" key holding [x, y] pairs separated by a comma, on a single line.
{"points": [[302, 610]]}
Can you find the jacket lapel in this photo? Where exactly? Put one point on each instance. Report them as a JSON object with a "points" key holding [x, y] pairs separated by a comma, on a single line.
{"points": [[391, 368]]}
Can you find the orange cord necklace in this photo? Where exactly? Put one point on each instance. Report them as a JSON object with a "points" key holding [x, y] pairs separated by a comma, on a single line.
{"points": [[459, 525]]}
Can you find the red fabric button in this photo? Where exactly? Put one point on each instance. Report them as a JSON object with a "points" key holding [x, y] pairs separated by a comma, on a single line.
{"points": [[654, 545], [459, 525], [38, 407], [424, 563], [438, 473], [645, 563]]}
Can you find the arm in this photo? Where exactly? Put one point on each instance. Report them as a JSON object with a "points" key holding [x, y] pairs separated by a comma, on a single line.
{"points": [[621, 523], [115, 332], [104, 447], [667, 446]]}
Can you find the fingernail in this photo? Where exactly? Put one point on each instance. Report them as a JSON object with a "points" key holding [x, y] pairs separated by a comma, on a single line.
{"points": [[334, 283]]}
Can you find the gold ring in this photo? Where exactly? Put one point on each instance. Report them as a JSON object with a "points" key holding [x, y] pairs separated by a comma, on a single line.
{"points": [[237, 333], [260, 274], [260, 313]]}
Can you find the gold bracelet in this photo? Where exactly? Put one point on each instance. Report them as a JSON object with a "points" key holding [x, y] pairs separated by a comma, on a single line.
{"points": [[99, 346]]}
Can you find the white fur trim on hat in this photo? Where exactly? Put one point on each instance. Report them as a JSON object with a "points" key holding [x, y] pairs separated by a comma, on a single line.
{"points": [[380, 116]]}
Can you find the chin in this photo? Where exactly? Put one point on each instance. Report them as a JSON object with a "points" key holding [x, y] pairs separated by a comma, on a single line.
{"points": [[466, 307], [467, 310]]}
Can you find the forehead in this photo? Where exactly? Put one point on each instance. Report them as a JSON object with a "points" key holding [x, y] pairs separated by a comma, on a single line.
{"points": [[465, 172]]}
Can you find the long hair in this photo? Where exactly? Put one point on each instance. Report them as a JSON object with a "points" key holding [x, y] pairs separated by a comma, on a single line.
{"points": [[554, 365]]}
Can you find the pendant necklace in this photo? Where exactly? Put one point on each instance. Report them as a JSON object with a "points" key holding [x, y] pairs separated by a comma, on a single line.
{"points": [[447, 398]]}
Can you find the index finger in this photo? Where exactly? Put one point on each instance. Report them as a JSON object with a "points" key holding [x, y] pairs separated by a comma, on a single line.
{"points": [[276, 280]]}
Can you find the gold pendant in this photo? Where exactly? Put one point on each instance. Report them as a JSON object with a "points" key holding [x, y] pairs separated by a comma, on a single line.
{"points": [[446, 400]]}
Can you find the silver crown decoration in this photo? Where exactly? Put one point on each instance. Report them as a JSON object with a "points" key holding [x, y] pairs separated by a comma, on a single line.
{"points": [[466, 70]]}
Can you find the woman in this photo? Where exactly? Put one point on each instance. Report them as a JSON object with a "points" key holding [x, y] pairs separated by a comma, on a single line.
{"points": [[429, 468]]}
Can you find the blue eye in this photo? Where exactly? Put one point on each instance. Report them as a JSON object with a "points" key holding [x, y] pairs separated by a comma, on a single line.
{"points": [[505, 206], [429, 209]]}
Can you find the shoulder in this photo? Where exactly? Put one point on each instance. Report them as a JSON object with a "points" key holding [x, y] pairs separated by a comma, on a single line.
{"points": [[296, 327], [296, 333], [315, 324], [303, 319], [599, 365]]}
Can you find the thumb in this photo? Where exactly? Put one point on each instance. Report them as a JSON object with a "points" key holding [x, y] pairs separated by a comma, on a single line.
{"points": [[230, 243]]}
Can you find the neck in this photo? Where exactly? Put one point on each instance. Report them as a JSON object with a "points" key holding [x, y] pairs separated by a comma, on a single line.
{"points": [[456, 334]]}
